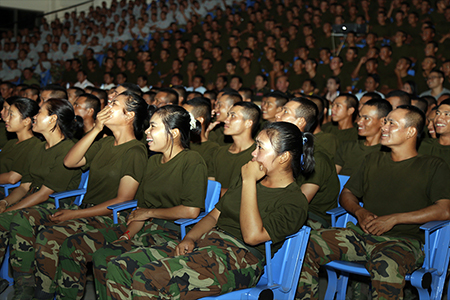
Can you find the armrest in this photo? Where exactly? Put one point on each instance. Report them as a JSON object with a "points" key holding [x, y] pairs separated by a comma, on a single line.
{"points": [[434, 225], [66, 194], [335, 214], [437, 239], [122, 206], [186, 222]]}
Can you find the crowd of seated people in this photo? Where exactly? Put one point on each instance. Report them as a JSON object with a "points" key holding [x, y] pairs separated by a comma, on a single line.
{"points": [[250, 94]]}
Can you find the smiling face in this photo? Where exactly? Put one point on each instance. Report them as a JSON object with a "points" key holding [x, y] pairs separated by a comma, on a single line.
{"points": [[264, 153], [442, 120], [157, 137], [394, 132], [222, 108], [119, 114], [368, 123]]}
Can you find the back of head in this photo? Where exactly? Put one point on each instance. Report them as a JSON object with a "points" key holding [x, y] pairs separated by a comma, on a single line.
{"points": [[66, 120], [250, 111], [57, 92], [415, 117], [420, 103], [137, 104], [431, 100], [286, 137], [405, 98], [100, 94], [77, 91], [352, 102], [383, 107], [201, 109], [172, 96], [309, 111], [134, 88], [373, 95], [280, 98], [232, 96]]}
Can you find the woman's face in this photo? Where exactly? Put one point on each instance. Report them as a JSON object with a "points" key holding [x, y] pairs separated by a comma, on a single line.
{"points": [[407, 88], [118, 110], [5, 110], [264, 153], [157, 137], [14, 121], [331, 85], [42, 121]]}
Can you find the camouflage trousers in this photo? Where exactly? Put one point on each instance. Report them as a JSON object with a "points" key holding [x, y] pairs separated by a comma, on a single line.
{"points": [[387, 259], [79, 249], [218, 264], [48, 244]]}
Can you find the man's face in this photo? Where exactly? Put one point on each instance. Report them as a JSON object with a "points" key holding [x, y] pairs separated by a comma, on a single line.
{"points": [[222, 108], [434, 80], [368, 122], [269, 108], [259, 82], [5, 91], [282, 84], [428, 64], [235, 122], [442, 120], [370, 84], [29, 94], [394, 132], [339, 110], [287, 114], [79, 107], [161, 99]]}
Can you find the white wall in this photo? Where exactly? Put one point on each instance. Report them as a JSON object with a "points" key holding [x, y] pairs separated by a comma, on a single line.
{"points": [[50, 5]]}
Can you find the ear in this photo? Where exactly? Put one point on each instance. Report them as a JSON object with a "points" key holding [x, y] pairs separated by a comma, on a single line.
{"points": [[175, 133], [90, 111], [248, 124], [26, 121], [285, 157], [412, 132], [201, 120], [300, 123], [350, 111], [53, 118], [279, 108], [129, 115]]}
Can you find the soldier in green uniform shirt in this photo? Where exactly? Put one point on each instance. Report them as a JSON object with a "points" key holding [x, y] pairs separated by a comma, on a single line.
{"points": [[44, 175], [241, 124], [344, 111], [265, 205], [173, 186], [350, 155], [13, 157], [321, 187], [439, 147]]}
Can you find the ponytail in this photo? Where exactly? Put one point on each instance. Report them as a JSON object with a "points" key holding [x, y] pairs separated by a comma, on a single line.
{"points": [[307, 161]]}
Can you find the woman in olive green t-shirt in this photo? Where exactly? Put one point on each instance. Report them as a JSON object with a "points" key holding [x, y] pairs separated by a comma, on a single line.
{"points": [[13, 157]]}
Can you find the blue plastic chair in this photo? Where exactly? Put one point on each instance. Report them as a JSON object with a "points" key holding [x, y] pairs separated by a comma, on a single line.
{"points": [[281, 273], [342, 181], [80, 192], [429, 279], [212, 197], [45, 77]]}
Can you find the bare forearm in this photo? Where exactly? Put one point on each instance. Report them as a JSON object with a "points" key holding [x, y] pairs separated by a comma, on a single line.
{"points": [[75, 156], [439, 211], [134, 227], [10, 178], [99, 209], [174, 213], [349, 201], [29, 201], [252, 226], [203, 226]]}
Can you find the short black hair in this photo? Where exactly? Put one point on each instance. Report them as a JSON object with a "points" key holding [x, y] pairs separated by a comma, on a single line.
{"points": [[383, 107], [251, 112]]}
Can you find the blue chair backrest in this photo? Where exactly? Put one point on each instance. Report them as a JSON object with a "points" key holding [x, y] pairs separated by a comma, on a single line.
{"points": [[212, 195], [83, 185], [342, 181]]}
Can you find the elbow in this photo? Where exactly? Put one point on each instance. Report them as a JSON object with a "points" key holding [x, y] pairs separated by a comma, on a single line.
{"points": [[252, 239], [192, 212]]}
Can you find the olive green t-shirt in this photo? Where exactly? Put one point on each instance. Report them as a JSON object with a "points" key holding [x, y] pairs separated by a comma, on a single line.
{"points": [[13, 156], [433, 148], [325, 177], [180, 181], [217, 135], [226, 166], [387, 187], [108, 164], [205, 149], [350, 134], [46, 167], [327, 143], [3, 134], [351, 154], [283, 211]]}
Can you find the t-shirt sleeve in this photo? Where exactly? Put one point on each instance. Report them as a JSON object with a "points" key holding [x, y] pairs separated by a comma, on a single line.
{"points": [[356, 182], [134, 163], [440, 189], [212, 162], [288, 218], [26, 177], [321, 170], [92, 151], [339, 156], [59, 176], [194, 186]]}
